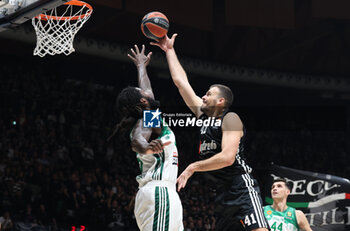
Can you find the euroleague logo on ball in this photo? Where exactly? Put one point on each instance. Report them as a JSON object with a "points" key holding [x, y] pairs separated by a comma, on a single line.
{"points": [[155, 25]]}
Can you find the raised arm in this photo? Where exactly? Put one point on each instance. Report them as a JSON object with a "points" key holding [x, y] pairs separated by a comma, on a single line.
{"points": [[302, 221], [141, 61], [232, 131], [140, 137], [179, 75]]}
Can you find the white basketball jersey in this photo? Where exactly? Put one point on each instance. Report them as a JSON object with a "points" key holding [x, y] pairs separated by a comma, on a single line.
{"points": [[162, 166]]}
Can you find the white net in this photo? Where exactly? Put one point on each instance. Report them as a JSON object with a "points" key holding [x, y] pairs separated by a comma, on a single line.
{"points": [[56, 28]]}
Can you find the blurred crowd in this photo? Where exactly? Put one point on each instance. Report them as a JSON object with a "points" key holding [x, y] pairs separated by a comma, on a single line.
{"points": [[57, 171]]}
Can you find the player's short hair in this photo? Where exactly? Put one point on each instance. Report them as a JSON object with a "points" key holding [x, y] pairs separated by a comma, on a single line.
{"points": [[226, 93], [282, 180]]}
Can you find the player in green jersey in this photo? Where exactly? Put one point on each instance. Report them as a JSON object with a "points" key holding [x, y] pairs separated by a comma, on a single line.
{"points": [[279, 215], [157, 204]]}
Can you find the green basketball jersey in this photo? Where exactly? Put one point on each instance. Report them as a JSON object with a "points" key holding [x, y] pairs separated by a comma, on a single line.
{"points": [[281, 221]]}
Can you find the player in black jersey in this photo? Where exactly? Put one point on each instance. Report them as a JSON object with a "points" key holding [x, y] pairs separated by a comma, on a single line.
{"points": [[220, 151]]}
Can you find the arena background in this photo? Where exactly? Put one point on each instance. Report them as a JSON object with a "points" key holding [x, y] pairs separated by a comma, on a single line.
{"points": [[287, 63]]}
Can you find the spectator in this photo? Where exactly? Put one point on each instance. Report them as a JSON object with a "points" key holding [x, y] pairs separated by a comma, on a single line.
{"points": [[6, 222], [44, 217]]}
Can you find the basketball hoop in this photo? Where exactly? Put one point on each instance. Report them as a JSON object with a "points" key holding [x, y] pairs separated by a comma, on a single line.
{"points": [[56, 28]]}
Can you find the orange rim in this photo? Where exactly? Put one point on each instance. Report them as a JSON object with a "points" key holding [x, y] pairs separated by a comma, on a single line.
{"points": [[46, 17]]}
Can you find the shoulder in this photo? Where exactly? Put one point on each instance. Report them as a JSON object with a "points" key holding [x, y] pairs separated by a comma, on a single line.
{"points": [[301, 220], [231, 121], [299, 214]]}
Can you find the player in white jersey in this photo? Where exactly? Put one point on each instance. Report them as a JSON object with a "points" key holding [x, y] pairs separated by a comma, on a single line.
{"points": [[157, 204]]}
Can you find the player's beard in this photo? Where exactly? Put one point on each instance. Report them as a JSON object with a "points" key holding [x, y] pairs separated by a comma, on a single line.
{"points": [[206, 109], [154, 104]]}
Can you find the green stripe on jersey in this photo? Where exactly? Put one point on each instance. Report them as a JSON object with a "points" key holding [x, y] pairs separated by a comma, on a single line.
{"points": [[167, 211], [162, 165], [158, 169], [140, 163], [165, 129], [162, 209], [159, 164], [156, 209]]}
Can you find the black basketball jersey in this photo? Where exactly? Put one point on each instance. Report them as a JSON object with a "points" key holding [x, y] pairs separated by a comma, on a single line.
{"points": [[210, 144]]}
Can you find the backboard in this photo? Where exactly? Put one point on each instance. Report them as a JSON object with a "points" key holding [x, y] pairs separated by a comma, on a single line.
{"points": [[16, 12]]}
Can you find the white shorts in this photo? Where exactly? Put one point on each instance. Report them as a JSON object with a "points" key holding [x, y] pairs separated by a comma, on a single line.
{"points": [[158, 207]]}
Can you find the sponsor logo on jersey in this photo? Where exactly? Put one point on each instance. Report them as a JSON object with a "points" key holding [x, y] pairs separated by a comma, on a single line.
{"points": [[175, 159], [205, 146], [289, 216], [269, 212]]}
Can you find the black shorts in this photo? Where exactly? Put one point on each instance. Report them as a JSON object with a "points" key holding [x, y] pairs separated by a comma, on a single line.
{"points": [[239, 205]]}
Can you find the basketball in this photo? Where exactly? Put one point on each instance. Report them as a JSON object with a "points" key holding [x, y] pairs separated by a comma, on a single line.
{"points": [[155, 25]]}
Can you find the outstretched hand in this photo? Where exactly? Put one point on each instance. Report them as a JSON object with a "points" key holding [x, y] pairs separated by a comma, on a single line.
{"points": [[139, 58], [183, 178], [165, 43]]}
